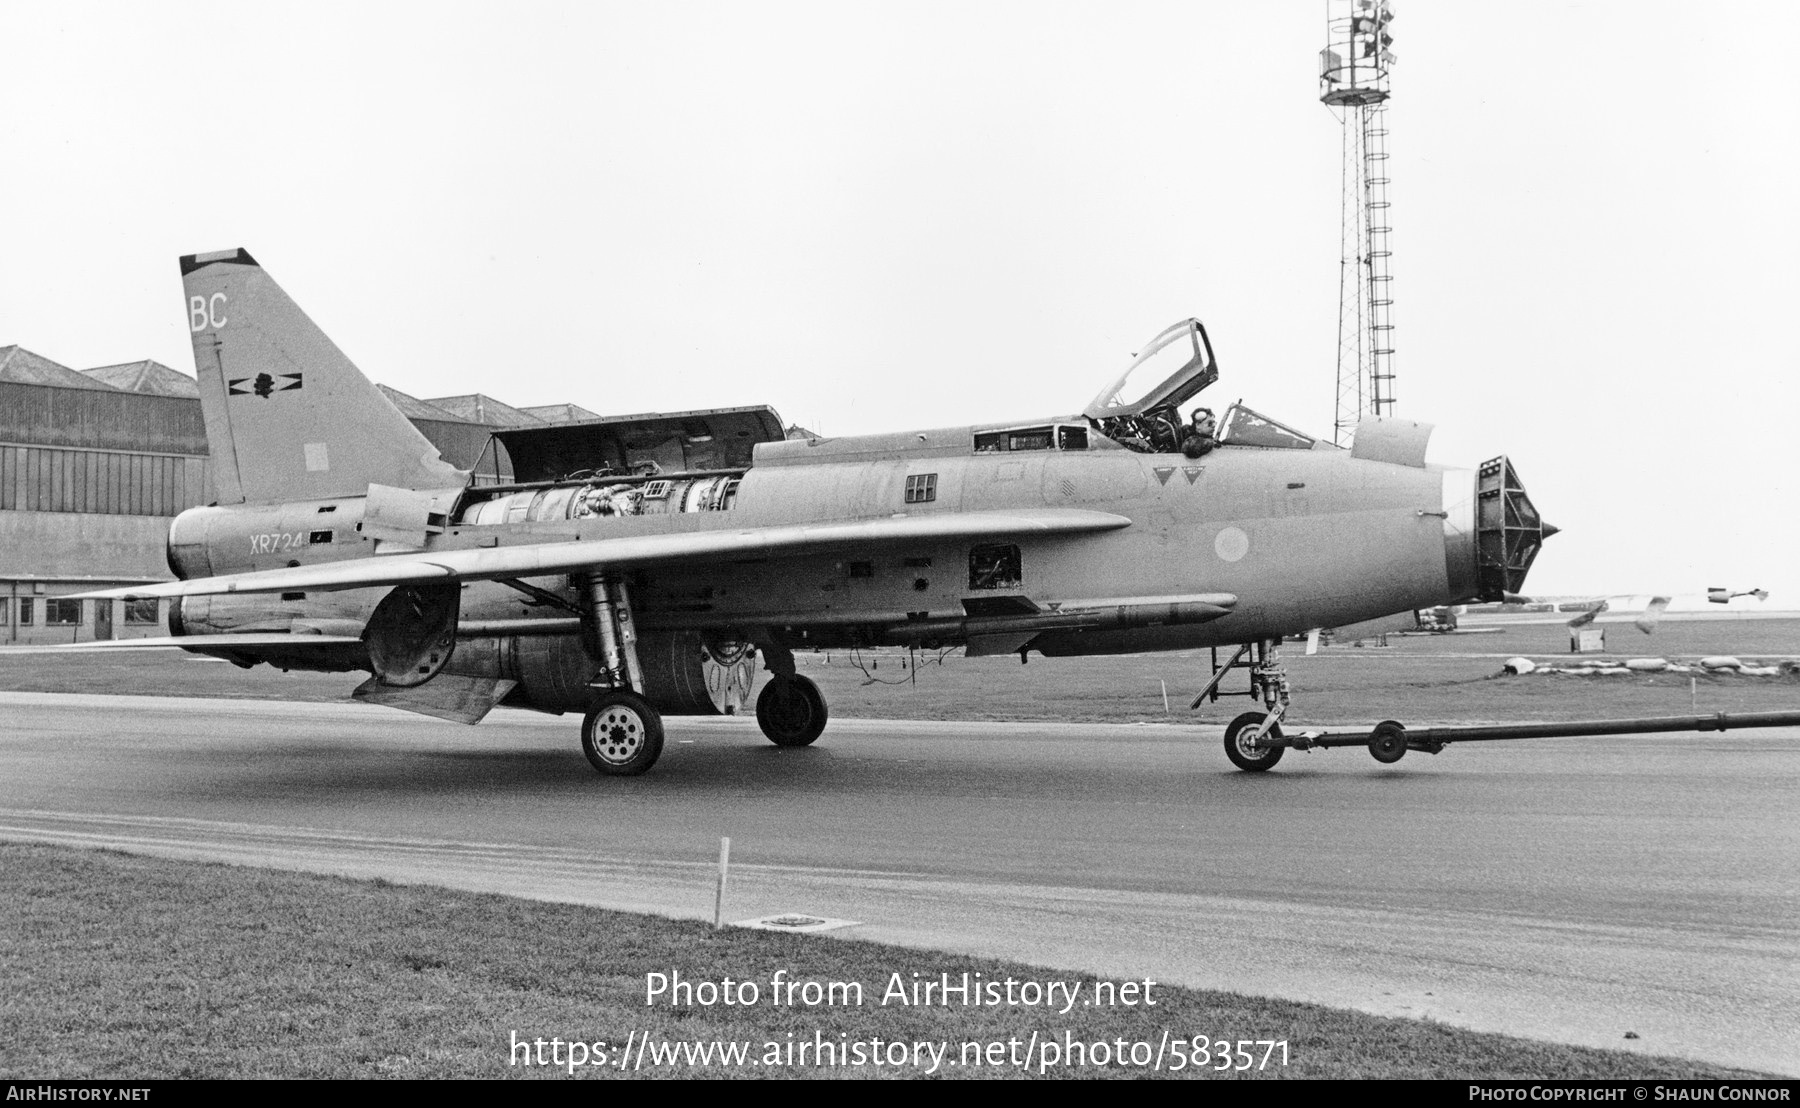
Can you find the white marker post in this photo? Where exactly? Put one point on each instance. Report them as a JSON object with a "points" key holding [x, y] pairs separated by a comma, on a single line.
{"points": [[719, 900]]}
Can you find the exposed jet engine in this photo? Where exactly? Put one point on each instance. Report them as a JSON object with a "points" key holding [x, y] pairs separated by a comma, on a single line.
{"points": [[606, 497]]}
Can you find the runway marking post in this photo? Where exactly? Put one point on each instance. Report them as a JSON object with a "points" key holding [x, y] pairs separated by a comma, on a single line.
{"points": [[719, 898]]}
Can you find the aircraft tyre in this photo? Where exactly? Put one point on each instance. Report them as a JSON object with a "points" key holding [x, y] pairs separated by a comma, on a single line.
{"points": [[1238, 748], [791, 711], [622, 735], [1388, 742]]}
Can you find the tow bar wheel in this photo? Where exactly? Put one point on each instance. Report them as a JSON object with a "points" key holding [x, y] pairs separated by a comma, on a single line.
{"points": [[1388, 742], [1238, 748]]}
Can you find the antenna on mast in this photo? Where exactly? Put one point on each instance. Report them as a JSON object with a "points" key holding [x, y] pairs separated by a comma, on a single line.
{"points": [[1353, 83]]}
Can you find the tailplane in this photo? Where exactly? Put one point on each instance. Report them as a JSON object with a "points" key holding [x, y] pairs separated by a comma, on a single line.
{"points": [[288, 416]]}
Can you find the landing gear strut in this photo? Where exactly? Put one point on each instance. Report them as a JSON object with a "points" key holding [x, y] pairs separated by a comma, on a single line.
{"points": [[791, 710], [622, 735], [1244, 738]]}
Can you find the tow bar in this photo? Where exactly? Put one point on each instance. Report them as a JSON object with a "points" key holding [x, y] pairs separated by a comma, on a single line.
{"points": [[1389, 740]]}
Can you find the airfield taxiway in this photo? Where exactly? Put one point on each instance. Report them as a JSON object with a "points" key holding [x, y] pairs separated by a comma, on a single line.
{"points": [[1572, 890]]}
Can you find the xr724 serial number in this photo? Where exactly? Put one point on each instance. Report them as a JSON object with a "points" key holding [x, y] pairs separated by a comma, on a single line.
{"points": [[274, 542]]}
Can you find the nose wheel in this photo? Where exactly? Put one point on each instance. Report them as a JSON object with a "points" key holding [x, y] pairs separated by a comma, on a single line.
{"points": [[1243, 742]]}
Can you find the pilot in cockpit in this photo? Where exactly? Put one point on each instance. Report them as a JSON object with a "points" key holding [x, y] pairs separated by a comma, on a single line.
{"points": [[1201, 435]]}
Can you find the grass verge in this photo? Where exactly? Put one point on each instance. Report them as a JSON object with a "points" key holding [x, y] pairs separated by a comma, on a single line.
{"points": [[120, 966]]}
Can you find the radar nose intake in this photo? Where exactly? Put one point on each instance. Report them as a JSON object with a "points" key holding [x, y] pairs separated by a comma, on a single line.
{"points": [[1508, 530]]}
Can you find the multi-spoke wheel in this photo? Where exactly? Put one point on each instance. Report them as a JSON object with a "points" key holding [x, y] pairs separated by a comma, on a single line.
{"points": [[622, 734], [791, 711], [1239, 749]]}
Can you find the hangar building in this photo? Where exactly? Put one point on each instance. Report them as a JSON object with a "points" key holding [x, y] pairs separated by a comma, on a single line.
{"points": [[95, 463]]}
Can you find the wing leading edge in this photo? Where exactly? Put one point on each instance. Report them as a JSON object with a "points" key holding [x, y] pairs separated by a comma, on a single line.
{"points": [[537, 559], [287, 641]]}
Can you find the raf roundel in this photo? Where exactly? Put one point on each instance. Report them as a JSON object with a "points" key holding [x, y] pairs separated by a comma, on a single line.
{"points": [[1231, 544]]}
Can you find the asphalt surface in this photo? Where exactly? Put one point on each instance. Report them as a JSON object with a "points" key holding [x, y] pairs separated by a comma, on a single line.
{"points": [[1572, 890]]}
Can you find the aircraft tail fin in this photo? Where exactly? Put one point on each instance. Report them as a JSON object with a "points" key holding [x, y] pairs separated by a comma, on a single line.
{"points": [[288, 416]]}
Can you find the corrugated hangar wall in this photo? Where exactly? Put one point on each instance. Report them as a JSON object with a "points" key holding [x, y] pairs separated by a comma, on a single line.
{"points": [[89, 480], [112, 453]]}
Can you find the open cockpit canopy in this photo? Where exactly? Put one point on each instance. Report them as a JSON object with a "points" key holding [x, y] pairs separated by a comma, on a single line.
{"points": [[1142, 409], [1168, 372]]}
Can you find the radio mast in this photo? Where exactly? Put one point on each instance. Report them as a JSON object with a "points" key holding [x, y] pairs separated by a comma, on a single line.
{"points": [[1353, 83]]}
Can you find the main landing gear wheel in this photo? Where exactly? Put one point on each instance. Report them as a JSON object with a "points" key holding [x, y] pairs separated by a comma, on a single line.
{"points": [[1255, 759], [791, 711], [1388, 742], [622, 735]]}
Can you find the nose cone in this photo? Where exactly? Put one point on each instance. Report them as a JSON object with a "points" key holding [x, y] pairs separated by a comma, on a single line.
{"points": [[1508, 530], [1550, 529]]}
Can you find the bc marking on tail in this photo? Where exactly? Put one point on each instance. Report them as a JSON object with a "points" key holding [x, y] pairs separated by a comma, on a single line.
{"points": [[288, 416]]}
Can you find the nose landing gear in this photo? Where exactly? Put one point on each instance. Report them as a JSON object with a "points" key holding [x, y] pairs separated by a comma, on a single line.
{"points": [[1246, 738], [1254, 741]]}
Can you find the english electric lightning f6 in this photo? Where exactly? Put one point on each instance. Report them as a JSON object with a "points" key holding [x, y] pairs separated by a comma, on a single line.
{"points": [[626, 568]]}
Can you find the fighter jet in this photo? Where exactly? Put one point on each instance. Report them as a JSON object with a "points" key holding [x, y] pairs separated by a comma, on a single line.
{"points": [[626, 568]]}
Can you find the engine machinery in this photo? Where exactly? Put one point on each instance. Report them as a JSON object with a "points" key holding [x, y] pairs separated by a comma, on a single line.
{"points": [[488, 631]]}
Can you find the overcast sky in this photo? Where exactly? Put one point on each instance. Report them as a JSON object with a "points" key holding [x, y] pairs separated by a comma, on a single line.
{"points": [[879, 216]]}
